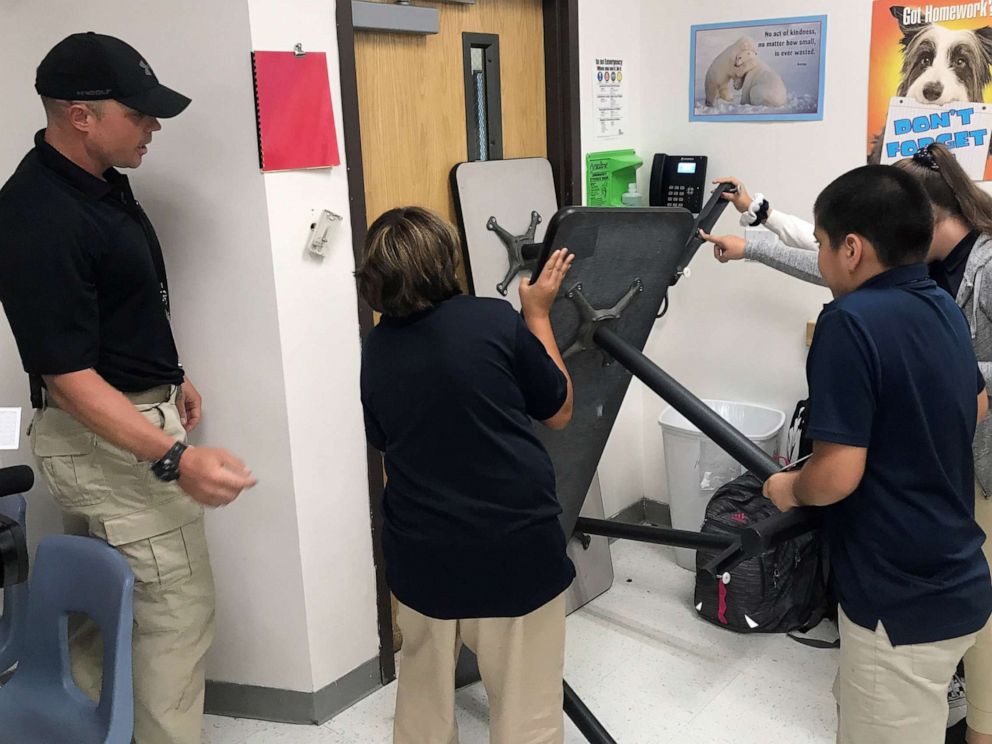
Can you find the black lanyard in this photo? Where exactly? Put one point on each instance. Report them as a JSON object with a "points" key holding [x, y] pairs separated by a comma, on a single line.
{"points": [[122, 191]]}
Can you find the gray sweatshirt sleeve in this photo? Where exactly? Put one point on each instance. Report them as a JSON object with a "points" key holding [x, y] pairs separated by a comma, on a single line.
{"points": [[981, 323], [789, 246], [986, 369], [792, 261]]}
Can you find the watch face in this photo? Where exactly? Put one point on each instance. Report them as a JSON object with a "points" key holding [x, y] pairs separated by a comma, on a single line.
{"points": [[167, 469]]}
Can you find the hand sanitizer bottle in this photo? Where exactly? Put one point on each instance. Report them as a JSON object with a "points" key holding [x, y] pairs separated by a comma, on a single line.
{"points": [[633, 197]]}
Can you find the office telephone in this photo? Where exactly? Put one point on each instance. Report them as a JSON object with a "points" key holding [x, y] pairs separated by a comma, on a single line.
{"points": [[678, 181]]}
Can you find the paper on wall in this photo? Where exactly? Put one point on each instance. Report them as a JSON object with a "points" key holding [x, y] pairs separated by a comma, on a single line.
{"points": [[965, 128], [609, 96], [10, 428]]}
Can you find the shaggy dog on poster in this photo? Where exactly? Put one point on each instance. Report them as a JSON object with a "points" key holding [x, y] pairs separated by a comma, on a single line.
{"points": [[940, 65]]}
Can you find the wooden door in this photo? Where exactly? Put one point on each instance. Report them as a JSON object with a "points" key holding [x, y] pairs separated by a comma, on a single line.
{"points": [[411, 92]]}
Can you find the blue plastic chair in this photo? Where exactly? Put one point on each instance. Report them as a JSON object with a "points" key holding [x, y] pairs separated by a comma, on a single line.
{"points": [[42, 703], [15, 598]]}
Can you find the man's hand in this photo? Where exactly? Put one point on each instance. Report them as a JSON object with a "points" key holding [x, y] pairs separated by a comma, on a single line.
{"points": [[212, 476], [780, 488], [726, 247], [536, 299], [190, 406], [741, 199]]}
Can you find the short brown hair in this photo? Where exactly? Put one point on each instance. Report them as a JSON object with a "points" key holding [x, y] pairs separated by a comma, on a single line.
{"points": [[409, 262], [57, 108]]}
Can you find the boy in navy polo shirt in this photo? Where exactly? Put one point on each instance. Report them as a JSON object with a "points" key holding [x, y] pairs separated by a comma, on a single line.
{"points": [[893, 410], [475, 554]]}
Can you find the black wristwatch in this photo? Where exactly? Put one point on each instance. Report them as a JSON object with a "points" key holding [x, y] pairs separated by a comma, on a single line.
{"points": [[167, 468]]}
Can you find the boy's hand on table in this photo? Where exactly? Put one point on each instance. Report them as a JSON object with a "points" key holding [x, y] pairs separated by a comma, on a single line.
{"points": [[780, 488], [537, 298]]}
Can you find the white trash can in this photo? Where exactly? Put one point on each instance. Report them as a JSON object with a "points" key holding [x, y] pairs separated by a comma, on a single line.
{"points": [[696, 466]]}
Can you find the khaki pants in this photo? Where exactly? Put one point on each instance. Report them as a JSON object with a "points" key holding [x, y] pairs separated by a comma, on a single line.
{"points": [[521, 660], [978, 660], [893, 694], [106, 493]]}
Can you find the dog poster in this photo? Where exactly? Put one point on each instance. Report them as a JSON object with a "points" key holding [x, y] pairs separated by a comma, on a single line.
{"points": [[931, 66], [769, 70]]}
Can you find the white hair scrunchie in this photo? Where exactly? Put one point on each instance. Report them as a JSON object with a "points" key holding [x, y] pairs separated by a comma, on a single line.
{"points": [[749, 217]]}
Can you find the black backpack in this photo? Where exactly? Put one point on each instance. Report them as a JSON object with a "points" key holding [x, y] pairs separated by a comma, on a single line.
{"points": [[780, 591]]}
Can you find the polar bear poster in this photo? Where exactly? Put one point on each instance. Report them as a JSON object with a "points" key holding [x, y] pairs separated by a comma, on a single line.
{"points": [[729, 68], [758, 70], [762, 86]]}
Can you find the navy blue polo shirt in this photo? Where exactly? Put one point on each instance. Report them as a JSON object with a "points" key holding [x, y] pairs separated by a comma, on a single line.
{"points": [[470, 511], [892, 369]]}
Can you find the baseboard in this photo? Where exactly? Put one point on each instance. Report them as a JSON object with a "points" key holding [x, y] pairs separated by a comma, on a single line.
{"points": [[633, 514], [645, 511], [292, 706], [657, 513]]}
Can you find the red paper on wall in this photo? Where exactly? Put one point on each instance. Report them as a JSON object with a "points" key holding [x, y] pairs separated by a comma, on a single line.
{"points": [[293, 107]]}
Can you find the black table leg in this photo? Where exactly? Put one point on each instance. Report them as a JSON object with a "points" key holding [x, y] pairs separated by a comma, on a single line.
{"points": [[584, 720]]}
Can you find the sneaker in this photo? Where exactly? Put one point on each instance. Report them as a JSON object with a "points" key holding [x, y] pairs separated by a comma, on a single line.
{"points": [[957, 703]]}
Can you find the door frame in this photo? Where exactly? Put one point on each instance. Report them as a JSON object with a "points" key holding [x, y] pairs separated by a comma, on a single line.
{"points": [[564, 142]]}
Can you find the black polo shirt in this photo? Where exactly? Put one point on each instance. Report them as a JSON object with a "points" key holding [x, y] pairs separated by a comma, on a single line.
{"points": [[82, 278], [949, 273], [892, 369], [471, 514]]}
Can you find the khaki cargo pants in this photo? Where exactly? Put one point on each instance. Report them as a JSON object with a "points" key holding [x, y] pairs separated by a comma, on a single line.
{"points": [[106, 493]]}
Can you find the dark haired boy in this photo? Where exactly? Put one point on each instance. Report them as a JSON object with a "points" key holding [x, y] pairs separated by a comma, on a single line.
{"points": [[893, 409], [475, 553]]}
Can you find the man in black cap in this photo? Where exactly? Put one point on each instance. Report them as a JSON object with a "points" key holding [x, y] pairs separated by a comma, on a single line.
{"points": [[83, 285]]}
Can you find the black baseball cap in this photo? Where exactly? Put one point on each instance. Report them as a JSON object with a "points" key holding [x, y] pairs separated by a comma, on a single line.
{"points": [[94, 67]]}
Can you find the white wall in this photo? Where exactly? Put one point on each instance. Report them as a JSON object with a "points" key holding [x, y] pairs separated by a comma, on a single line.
{"points": [[318, 319], [23, 116], [606, 30], [737, 331], [270, 338], [734, 331]]}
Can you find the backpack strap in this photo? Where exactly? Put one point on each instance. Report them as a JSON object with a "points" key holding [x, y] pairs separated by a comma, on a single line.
{"points": [[814, 642]]}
